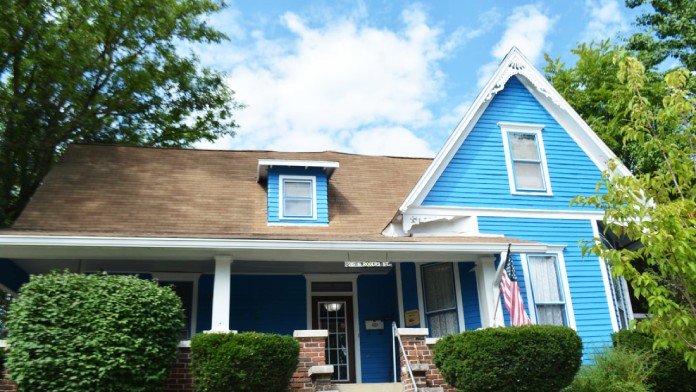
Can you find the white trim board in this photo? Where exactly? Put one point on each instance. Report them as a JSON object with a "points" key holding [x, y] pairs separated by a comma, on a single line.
{"points": [[247, 244], [576, 214]]}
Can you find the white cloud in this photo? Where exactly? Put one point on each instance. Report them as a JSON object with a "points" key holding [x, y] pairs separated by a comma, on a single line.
{"points": [[392, 141], [337, 85], [527, 28], [606, 20]]}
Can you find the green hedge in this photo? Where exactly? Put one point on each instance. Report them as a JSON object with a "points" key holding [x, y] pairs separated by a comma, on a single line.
{"points": [[614, 370], [227, 362], [670, 372], [72, 332], [529, 358]]}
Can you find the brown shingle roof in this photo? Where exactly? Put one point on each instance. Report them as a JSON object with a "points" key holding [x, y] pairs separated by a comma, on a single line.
{"points": [[135, 191]]}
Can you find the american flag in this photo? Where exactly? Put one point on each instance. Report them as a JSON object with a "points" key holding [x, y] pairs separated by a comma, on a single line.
{"points": [[512, 295]]}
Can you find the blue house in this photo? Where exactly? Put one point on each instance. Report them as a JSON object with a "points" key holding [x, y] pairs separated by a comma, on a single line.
{"points": [[277, 242]]}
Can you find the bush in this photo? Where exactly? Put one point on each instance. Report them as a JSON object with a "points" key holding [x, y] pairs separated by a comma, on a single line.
{"points": [[529, 358], [243, 362], [670, 372], [72, 332], [614, 370]]}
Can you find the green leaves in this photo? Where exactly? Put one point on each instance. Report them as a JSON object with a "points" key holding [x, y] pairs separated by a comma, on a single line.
{"points": [[247, 362], [528, 358], [657, 209], [71, 332], [101, 72]]}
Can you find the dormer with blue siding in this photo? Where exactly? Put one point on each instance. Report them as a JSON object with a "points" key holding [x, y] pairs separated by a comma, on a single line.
{"points": [[297, 190]]}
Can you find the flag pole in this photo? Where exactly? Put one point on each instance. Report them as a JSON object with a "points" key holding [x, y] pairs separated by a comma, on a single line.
{"points": [[500, 293]]}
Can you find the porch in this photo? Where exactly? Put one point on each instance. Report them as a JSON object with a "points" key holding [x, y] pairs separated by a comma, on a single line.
{"points": [[353, 290]]}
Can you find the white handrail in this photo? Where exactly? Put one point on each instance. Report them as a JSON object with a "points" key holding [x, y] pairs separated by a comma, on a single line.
{"points": [[396, 336]]}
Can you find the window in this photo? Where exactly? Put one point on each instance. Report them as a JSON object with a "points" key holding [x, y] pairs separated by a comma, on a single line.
{"points": [[297, 198], [526, 159], [547, 290], [6, 296], [440, 301], [621, 302]]}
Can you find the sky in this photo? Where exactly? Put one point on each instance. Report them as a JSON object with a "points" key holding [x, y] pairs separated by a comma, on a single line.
{"points": [[382, 77]]}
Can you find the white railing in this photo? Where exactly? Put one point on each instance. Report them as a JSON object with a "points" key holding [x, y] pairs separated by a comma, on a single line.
{"points": [[397, 337]]}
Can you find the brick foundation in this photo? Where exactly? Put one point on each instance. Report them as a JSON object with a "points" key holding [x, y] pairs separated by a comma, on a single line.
{"points": [[312, 354], [420, 357], [311, 374], [180, 379], [5, 384]]}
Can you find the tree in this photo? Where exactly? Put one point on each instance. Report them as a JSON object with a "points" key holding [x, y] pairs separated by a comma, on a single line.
{"points": [[101, 71], [593, 89], [669, 31], [657, 209]]}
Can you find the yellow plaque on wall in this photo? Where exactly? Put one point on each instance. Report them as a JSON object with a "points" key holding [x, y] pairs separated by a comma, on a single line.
{"points": [[412, 318]]}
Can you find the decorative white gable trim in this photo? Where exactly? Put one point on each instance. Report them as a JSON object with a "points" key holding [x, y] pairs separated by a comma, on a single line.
{"points": [[515, 64]]}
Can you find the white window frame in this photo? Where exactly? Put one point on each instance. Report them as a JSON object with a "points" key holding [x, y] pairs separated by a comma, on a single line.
{"points": [[281, 197], [563, 281], [458, 307], [192, 277], [535, 129]]}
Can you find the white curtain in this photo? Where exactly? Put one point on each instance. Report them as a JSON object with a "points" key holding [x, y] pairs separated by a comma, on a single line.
{"points": [[524, 146], [547, 291], [439, 299]]}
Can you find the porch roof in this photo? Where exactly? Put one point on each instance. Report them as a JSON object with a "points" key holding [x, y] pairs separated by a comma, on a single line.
{"points": [[34, 245]]}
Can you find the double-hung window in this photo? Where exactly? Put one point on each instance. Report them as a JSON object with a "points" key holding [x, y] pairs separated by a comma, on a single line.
{"points": [[297, 198], [526, 159], [440, 301], [547, 290]]}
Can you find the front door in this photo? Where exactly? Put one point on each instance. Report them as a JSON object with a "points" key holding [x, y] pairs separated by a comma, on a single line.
{"points": [[335, 314]]}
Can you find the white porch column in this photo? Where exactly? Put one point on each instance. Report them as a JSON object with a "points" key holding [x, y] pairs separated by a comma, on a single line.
{"points": [[221, 294], [489, 292]]}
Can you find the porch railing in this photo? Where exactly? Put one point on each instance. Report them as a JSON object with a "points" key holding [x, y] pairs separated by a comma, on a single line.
{"points": [[396, 337]]}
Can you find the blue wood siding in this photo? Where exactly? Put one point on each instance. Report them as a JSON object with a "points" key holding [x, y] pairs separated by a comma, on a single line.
{"points": [[11, 276], [268, 303], [470, 298], [477, 175], [321, 191], [587, 290], [377, 301], [261, 303], [409, 286]]}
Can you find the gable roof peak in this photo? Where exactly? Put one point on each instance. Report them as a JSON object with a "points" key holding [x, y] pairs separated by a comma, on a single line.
{"points": [[515, 64]]}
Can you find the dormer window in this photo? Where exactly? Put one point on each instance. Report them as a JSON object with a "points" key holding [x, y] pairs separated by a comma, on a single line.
{"points": [[297, 190], [297, 197], [528, 172]]}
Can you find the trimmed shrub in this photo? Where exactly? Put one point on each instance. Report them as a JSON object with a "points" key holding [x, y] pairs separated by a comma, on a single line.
{"points": [[250, 361], [72, 332], [670, 372], [528, 358], [614, 370]]}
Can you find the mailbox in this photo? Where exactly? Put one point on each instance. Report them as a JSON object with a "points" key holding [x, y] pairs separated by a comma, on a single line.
{"points": [[374, 324]]}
